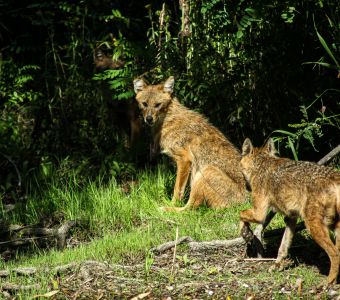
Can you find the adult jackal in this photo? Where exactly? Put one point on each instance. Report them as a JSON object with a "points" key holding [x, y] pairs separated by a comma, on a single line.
{"points": [[195, 145], [294, 188]]}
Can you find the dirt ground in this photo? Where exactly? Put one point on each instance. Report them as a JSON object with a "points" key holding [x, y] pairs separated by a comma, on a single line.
{"points": [[209, 275]]}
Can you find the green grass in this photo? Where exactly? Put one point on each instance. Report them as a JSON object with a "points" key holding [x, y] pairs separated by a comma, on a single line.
{"points": [[122, 227], [120, 224]]}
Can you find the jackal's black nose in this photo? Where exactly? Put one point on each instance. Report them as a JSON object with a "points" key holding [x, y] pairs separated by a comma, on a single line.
{"points": [[149, 119]]}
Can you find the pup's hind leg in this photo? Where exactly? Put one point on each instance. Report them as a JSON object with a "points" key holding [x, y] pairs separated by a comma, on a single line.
{"points": [[337, 234], [286, 242], [319, 232]]}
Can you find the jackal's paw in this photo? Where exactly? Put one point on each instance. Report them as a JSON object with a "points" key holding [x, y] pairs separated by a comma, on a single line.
{"points": [[274, 267], [326, 285], [164, 208], [247, 234]]}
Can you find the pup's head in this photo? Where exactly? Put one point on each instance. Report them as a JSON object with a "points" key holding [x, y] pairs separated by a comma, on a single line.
{"points": [[104, 61], [153, 100], [250, 155]]}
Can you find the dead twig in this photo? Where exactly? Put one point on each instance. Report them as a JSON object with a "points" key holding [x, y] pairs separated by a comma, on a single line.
{"points": [[175, 251]]}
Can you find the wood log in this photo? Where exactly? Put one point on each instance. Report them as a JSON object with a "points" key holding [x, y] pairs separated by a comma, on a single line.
{"points": [[216, 244], [30, 234], [329, 156], [19, 287], [168, 245]]}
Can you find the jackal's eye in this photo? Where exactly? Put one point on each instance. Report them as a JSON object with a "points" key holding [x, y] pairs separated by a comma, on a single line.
{"points": [[145, 104], [157, 105]]}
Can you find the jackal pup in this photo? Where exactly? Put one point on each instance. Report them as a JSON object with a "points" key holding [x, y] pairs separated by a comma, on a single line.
{"points": [[124, 113], [195, 145], [294, 188]]}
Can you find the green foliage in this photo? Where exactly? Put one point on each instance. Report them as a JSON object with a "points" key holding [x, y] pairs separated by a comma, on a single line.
{"points": [[307, 129], [233, 64], [240, 63], [289, 14], [124, 227], [119, 81], [17, 95], [105, 207]]}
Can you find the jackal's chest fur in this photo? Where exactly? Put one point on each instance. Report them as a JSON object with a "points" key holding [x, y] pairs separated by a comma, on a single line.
{"points": [[185, 132]]}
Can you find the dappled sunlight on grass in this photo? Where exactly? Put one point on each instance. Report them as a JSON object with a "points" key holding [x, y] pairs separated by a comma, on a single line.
{"points": [[124, 223]]}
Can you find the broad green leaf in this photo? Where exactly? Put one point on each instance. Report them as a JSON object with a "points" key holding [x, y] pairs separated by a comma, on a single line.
{"points": [[324, 44], [327, 65], [291, 145]]}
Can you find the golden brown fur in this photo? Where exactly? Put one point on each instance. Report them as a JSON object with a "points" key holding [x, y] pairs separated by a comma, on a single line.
{"points": [[196, 146], [294, 188]]}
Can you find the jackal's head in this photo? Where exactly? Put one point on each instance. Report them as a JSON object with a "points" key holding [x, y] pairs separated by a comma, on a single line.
{"points": [[153, 100], [251, 156]]}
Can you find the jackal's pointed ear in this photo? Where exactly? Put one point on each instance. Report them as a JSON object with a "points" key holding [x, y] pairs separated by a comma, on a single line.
{"points": [[270, 147], [247, 147], [169, 85], [138, 85]]}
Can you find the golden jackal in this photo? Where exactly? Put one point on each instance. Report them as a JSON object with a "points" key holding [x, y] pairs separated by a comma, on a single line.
{"points": [[195, 145], [294, 188]]}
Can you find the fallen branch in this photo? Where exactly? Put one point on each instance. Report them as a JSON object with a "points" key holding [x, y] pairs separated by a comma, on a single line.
{"points": [[216, 244], [199, 246], [62, 232], [259, 259], [329, 156], [19, 287], [168, 245], [29, 271], [29, 234], [20, 242]]}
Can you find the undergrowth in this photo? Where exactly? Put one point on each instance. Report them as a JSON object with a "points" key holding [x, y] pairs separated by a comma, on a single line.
{"points": [[123, 225]]}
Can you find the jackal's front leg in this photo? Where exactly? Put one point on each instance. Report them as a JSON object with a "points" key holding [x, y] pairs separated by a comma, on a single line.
{"points": [[252, 215], [183, 171]]}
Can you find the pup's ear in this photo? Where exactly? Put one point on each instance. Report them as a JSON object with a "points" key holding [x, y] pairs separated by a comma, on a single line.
{"points": [[139, 85], [270, 147], [169, 85], [247, 147]]}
